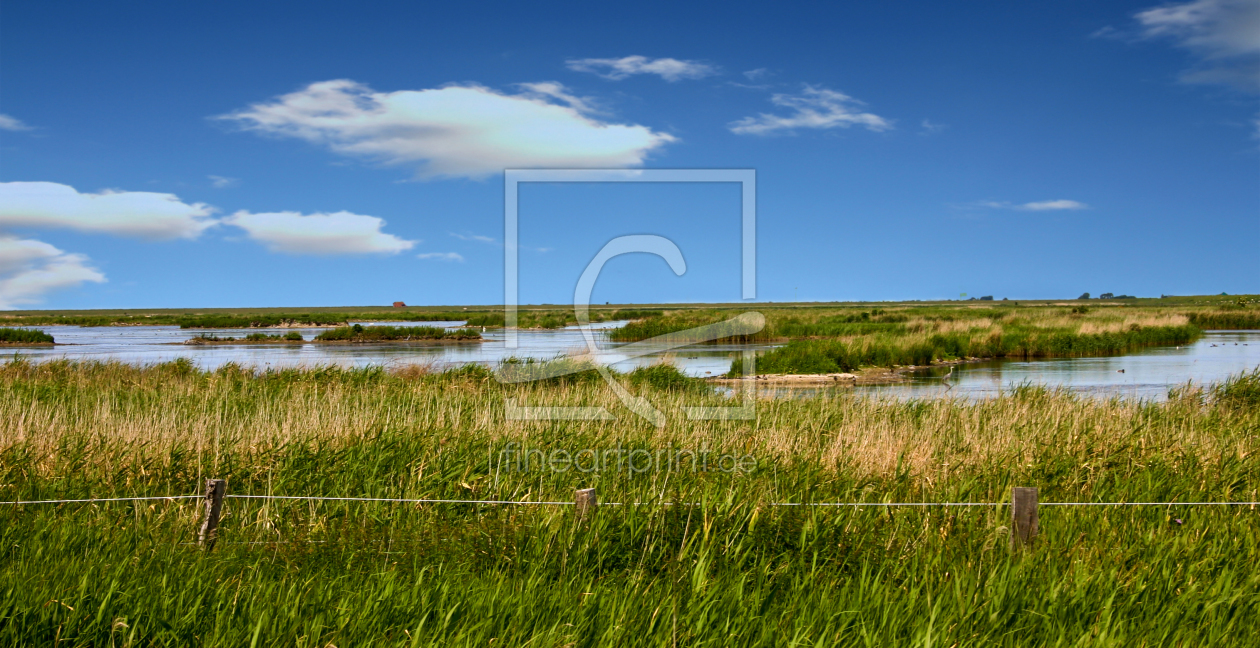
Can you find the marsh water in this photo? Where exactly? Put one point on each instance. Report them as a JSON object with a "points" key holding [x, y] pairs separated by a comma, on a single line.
{"points": [[1148, 373]]}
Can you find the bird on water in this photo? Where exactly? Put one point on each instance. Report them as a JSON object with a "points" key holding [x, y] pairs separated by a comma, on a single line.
{"points": [[945, 379]]}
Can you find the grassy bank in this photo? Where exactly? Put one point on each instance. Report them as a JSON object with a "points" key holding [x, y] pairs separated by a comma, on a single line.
{"points": [[528, 317], [1226, 319], [825, 341], [843, 355], [360, 333], [253, 338], [732, 571], [24, 336]]}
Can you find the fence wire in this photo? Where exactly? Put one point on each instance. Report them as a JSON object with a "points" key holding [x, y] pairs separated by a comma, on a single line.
{"points": [[570, 503]]}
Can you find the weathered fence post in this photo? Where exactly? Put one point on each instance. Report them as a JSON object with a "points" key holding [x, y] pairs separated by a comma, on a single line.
{"points": [[585, 502], [1023, 517], [215, 490]]}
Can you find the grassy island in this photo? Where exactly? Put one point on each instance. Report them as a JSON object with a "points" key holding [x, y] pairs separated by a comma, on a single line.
{"points": [[24, 337], [833, 340], [291, 337], [360, 333]]}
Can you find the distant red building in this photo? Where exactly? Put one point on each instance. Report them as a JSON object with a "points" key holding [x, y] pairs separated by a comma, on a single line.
{"points": [[399, 305]]}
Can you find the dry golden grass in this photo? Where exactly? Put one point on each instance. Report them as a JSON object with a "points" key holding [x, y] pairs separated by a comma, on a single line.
{"points": [[151, 412]]}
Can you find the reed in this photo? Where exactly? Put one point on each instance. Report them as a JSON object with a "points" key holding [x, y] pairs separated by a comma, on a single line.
{"points": [[218, 320], [732, 571], [360, 333], [24, 336], [1226, 319], [291, 336], [919, 349]]}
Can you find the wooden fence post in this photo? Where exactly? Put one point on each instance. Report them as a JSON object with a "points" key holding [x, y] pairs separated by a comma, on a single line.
{"points": [[1023, 517], [215, 490], [585, 502]]}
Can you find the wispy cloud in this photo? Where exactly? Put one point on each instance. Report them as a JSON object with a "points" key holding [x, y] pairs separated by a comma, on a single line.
{"points": [[12, 124], [442, 256], [1221, 34], [125, 213], [454, 131], [929, 127], [619, 68], [757, 74], [1044, 205], [29, 269], [320, 234], [475, 237], [223, 182], [816, 108], [492, 241], [545, 90]]}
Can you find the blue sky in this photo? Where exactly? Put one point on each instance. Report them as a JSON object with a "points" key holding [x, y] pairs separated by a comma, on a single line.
{"points": [[318, 154]]}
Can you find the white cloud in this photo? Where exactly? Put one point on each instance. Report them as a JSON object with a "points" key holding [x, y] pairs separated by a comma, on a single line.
{"points": [[1051, 205], [929, 127], [442, 256], [757, 74], [222, 182], [1223, 34], [12, 123], [126, 213], [455, 131], [475, 237], [494, 241], [30, 268], [667, 68], [813, 108], [1044, 205], [337, 233]]}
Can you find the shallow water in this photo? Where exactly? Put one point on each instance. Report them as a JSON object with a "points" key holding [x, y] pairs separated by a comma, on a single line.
{"points": [[1147, 374], [153, 344]]}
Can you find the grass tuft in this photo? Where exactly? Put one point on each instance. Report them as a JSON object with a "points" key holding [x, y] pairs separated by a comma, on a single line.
{"points": [[24, 336], [360, 333]]}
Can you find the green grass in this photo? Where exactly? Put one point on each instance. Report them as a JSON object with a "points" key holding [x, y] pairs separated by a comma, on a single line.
{"points": [[1236, 319], [291, 336], [24, 336], [485, 319], [256, 320], [835, 356], [210, 337], [732, 570], [642, 329], [359, 333]]}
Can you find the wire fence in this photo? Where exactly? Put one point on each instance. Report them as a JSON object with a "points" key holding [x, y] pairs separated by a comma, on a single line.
{"points": [[1024, 504], [572, 503]]}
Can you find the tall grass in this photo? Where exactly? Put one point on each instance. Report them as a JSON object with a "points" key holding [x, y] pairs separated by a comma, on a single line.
{"points": [[642, 329], [1235, 319], [360, 333], [732, 571], [24, 336], [843, 355], [219, 320]]}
